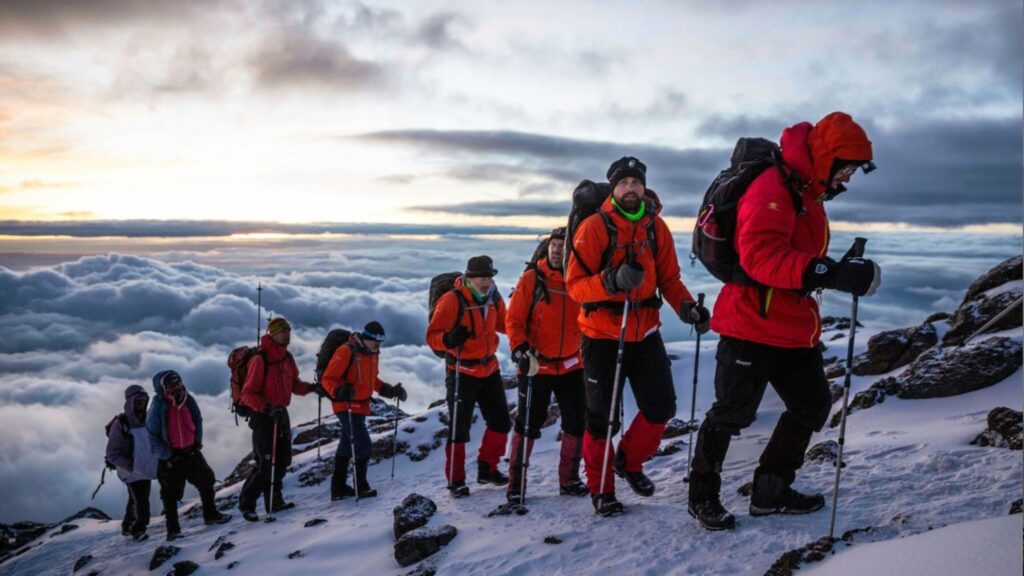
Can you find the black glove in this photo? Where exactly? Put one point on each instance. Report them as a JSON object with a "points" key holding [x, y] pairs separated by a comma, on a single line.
{"points": [[625, 277], [316, 389], [697, 315], [276, 413], [400, 392], [344, 393], [521, 358], [856, 276], [456, 336]]}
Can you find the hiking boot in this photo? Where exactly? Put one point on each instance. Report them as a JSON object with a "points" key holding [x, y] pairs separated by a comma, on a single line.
{"points": [[514, 496], [711, 514], [218, 519], [458, 489], [281, 506], [345, 491], [126, 532], [140, 536], [772, 496], [364, 487], [606, 505], [173, 535], [484, 475], [577, 488], [250, 516], [638, 481]]}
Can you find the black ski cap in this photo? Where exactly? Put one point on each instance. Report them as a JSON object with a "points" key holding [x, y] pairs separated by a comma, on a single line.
{"points": [[627, 166], [373, 331]]}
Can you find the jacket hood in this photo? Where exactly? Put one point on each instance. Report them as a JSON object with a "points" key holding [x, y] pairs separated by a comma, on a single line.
{"points": [[836, 136], [130, 394], [158, 386]]}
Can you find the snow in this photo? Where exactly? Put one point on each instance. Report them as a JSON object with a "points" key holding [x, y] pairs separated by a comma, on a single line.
{"points": [[911, 471], [991, 547]]}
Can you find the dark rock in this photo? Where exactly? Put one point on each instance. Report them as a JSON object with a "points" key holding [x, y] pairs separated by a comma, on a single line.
{"points": [[837, 392], [863, 400], [65, 529], [420, 418], [385, 447], [14, 536], [232, 565], [836, 370], [676, 427], [509, 509], [413, 512], [837, 336], [315, 522], [328, 431], [977, 309], [296, 554], [791, 561], [1005, 428], [1015, 508], [317, 471], [830, 360], [435, 404], [510, 382], [90, 513], [220, 540], [938, 317], [183, 568], [826, 451], [894, 349], [746, 490], [222, 550], [162, 554], [670, 448], [223, 503], [942, 372], [422, 543], [82, 562], [554, 413], [409, 429], [552, 540]]}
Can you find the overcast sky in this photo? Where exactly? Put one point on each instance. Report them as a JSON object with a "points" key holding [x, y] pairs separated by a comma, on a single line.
{"points": [[486, 113]]}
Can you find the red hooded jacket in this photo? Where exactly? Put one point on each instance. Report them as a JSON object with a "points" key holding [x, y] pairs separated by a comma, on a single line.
{"points": [[775, 244], [483, 322], [272, 382], [552, 330], [661, 273]]}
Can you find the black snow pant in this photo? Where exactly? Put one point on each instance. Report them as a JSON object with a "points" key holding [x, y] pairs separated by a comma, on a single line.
{"points": [[647, 367], [744, 370], [136, 513], [569, 393], [258, 482], [488, 392], [185, 466]]}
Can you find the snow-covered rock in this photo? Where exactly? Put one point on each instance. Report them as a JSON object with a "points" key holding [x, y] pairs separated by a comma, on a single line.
{"points": [[894, 349], [989, 295], [951, 371], [422, 543], [1005, 426]]}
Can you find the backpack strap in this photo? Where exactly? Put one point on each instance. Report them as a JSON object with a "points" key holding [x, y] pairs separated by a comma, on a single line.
{"points": [[351, 359], [540, 292], [122, 418]]}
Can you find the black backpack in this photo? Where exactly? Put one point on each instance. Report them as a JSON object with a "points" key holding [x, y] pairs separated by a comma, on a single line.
{"points": [[587, 199], [332, 341], [126, 431], [715, 230], [540, 286]]}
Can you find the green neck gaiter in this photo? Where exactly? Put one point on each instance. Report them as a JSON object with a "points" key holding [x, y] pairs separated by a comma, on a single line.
{"points": [[631, 216], [478, 296]]}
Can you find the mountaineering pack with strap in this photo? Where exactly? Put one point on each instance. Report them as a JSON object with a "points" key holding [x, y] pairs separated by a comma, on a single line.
{"points": [[126, 432], [238, 362], [715, 230], [540, 285], [332, 341]]}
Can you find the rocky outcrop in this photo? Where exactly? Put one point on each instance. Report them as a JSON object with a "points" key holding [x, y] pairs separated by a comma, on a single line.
{"points": [[826, 451], [412, 513], [422, 543], [942, 372], [14, 536], [162, 554], [989, 295], [894, 349], [675, 428], [1005, 426]]}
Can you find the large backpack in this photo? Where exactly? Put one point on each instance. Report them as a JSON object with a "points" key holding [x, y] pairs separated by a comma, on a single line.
{"points": [[715, 230], [126, 431], [238, 362], [332, 341], [587, 199]]}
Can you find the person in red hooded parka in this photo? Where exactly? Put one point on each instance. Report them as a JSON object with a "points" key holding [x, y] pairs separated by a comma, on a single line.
{"points": [[642, 268], [770, 333]]}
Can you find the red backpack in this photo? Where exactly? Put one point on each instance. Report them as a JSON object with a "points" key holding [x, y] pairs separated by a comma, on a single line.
{"points": [[238, 362]]}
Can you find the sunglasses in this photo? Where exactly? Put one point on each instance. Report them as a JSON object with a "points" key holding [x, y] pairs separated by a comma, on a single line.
{"points": [[848, 170]]}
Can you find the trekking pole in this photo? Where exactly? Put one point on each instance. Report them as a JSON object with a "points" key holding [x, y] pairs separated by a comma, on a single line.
{"points": [[693, 398], [352, 448], [454, 416], [994, 319], [394, 442], [273, 472], [857, 252], [523, 464], [103, 477], [319, 411], [615, 391]]}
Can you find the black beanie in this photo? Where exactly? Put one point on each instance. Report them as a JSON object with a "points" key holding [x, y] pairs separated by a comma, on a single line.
{"points": [[627, 166], [480, 267], [558, 233], [373, 331]]}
